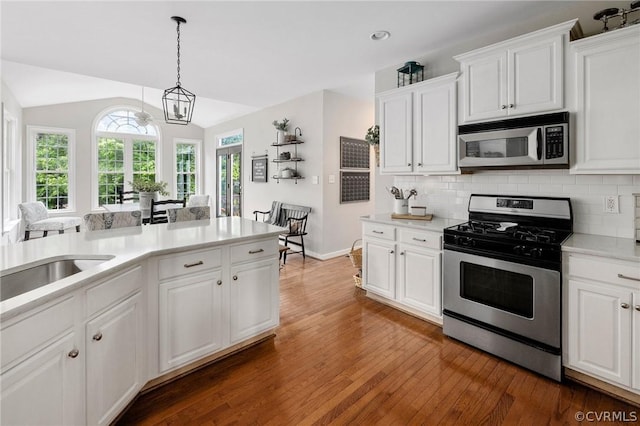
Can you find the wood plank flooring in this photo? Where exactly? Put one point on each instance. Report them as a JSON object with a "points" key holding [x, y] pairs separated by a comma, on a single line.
{"points": [[341, 358]]}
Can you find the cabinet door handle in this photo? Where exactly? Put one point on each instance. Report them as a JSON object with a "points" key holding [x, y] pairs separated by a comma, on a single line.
{"points": [[419, 239], [256, 251], [191, 265], [377, 232], [97, 337], [235, 278], [628, 278], [73, 354], [391, 251], [419, 164], [637, 307], [409, 164], [503, 107], [401, 253], [219, 282], [624, 305], [511, 106]]}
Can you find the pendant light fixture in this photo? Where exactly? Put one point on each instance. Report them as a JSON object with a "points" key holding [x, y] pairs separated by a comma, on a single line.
{"points": [[143, 118], [178, 102]]}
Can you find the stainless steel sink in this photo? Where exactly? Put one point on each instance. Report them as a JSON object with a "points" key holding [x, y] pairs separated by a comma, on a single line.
{"points": [[30, 278]]}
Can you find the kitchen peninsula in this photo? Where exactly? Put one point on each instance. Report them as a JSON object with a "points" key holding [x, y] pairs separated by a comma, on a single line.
{"points": [[163, 300]]}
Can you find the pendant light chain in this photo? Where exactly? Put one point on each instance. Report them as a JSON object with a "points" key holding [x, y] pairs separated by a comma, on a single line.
{"points": [[178, 31]]}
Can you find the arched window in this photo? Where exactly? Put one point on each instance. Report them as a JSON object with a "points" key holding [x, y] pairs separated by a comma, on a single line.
{"points": [[125, 152]]}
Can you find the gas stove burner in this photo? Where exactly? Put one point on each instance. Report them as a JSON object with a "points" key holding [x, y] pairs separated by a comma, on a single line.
{"points": [[535, 234]]}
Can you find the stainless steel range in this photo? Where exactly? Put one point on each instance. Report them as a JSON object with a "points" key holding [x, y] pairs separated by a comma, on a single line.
{"points": [[502, 279]]}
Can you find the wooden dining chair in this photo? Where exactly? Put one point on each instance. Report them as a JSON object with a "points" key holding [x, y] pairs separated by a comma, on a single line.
{"points": [[127, 196], [158, 213]]}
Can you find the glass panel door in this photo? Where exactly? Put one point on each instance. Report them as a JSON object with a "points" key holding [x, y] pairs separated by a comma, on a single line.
{"points": [[229, 179]]}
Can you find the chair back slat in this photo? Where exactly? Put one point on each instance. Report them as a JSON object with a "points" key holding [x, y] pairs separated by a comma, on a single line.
{"points": [[158, 213]]}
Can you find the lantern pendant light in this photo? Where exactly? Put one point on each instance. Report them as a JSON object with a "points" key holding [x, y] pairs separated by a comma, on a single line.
{"points": [[178, 102]]}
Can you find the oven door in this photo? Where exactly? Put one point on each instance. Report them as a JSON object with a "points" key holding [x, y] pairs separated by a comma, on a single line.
{"points": [[521, 299], [512, 147]]}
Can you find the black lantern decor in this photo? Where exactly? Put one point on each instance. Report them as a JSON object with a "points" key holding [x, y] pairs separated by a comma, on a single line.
{"points": [[411, 72], [178, 102]]}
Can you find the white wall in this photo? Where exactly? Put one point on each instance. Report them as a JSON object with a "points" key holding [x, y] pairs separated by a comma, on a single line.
{"points": [[343, 116], [81, 117], [12, 108], [323, 117]]}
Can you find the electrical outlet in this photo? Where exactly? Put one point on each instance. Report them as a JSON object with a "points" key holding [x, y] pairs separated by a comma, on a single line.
{"points": [[611, 204]]}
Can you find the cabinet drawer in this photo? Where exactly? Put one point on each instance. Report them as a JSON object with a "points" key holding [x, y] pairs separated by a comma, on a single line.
{"points": [[36, 329], [176, 265], [432, 240], [254, 250], [113, 289], [607, 270], [385, 232]]}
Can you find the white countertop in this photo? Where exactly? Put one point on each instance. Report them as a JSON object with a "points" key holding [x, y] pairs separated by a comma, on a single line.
{"points": [[127, 245], [436, 224], [599, 245]]}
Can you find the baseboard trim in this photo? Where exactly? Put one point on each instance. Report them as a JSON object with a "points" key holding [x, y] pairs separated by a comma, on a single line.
{"points": [[604, 387]]}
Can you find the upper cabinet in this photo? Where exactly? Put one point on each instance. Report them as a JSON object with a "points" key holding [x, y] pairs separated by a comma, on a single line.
{"points": [[520, 76], [418, 127], [607, 96]]}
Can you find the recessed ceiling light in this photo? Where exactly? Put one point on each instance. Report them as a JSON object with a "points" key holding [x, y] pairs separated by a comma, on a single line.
{"points": [[380, 35]]}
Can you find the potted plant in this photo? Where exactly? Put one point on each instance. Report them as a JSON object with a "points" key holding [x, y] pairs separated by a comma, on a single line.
{"points": [[373, 137], [281, 130], [148, 190]]}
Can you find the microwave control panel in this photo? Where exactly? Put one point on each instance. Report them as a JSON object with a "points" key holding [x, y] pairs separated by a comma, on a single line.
{"points": [[554, 142]]}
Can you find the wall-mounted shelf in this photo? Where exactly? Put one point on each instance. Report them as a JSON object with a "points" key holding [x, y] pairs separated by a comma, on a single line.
{"points": [[294, 159]]}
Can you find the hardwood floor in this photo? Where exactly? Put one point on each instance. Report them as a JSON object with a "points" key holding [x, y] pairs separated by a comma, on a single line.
{"points": [[342, 358]]}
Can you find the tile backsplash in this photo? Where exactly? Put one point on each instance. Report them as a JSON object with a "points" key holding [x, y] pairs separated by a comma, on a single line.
{"points": [[448, 196]]}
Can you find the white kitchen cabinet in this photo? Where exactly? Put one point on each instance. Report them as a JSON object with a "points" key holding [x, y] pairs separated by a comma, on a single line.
{"points": [[396, 132], [114, 363], [603, 319], [403, 266], [607, 96], [419, 278], [379, 267], [520, 76], [43, 367], [254, 299], [418, 127]]}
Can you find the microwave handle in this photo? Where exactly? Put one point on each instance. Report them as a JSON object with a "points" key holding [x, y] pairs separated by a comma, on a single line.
{"points": [[539, 148]]}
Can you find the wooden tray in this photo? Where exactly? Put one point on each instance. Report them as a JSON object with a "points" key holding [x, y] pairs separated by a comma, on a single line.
{"points": [[411, 217]]}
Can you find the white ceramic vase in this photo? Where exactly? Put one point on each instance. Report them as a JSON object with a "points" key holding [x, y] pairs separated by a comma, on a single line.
{"points": [[145, 202]]}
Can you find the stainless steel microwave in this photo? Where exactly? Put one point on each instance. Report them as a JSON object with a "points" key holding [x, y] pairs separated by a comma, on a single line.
{"points": [[540, 141]]}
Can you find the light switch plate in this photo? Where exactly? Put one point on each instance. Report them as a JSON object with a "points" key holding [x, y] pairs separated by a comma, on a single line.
{"points": [[332, 178], [611, 204], [314, 180]]}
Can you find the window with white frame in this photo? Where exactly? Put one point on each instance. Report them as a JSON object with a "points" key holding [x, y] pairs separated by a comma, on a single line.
{"points": [[11, 169], [52, 153], [125, 152], [187, 167]]}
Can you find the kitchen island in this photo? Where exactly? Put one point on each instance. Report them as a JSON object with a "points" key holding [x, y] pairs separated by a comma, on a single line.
{"points": [[161, 300]]}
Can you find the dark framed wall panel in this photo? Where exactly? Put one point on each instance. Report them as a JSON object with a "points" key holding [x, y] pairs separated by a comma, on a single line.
{"points": [[354, 187], [354, 153]]}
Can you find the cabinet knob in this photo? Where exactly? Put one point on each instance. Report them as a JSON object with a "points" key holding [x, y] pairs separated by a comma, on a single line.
{"points": [[511, 106], [409, 164], [401, 253], [503, 107], [637, 307], [235, 278], [97, 337], [419, 164], [219, 282], [624, 305], [73, 354], [391, 252]]}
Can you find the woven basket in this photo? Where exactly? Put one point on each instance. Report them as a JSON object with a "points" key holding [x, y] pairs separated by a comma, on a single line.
{"points": [[358, 279], [356, 255]]}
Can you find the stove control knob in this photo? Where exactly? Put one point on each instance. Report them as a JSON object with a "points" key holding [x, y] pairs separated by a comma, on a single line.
{"points": [[536, 253], [519, 249]]}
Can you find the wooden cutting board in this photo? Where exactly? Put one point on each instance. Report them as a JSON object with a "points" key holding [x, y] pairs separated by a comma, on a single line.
{"points": [[411, 217]]}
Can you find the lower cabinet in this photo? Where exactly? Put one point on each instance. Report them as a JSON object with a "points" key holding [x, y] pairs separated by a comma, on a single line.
{"points": [[403, 265], [603, 320], [46, 388], [190, 318], [115, 346], [254, 299]]}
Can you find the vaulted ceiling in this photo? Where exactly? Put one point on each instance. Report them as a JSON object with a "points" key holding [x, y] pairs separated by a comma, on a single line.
{"points": [[238, 56]]}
